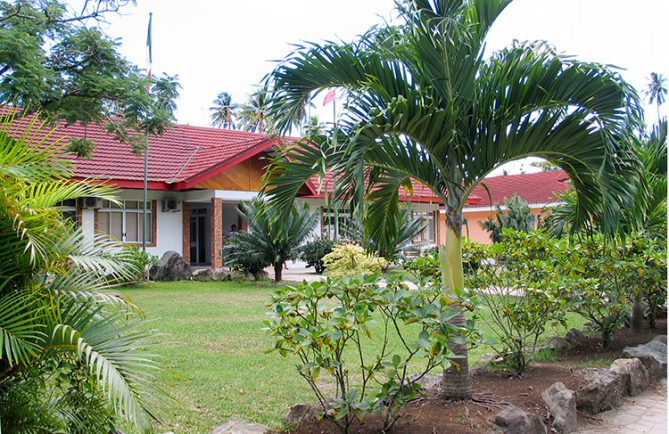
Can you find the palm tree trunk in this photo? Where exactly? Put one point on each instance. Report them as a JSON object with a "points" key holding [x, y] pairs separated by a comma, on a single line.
{"points": [[278, 270], [456, 381]]}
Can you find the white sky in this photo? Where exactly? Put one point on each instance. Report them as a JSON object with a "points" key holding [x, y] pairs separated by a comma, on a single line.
{"points": [[216, 45]]}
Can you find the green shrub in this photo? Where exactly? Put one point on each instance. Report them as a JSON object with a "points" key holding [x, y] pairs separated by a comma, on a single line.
{"points": [[139, 259], [521, 292], [313, 252], [330, 327], [426, 266], [352, 260]]}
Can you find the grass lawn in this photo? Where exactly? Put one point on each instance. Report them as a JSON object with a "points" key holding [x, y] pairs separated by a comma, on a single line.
{"points": [[210, 335]]}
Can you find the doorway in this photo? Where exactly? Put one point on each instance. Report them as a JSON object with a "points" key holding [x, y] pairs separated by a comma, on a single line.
{"points": [[200, 235]]}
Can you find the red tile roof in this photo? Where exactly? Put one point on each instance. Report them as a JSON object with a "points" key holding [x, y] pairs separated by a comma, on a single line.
{"points": [[533, 188], [420, 193], [182, 157]]}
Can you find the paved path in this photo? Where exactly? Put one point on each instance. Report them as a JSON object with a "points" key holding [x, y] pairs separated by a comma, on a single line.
{"points": [[643, 414]]}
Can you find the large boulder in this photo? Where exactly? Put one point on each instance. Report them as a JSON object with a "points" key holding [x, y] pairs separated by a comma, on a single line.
{"points": [[237, 426], [562, 404], [653, 355], [513, 420], [559, 345], [300, 413], [635, 375], [203, 275], [575, 338], [170, 267], [603, 390], [260, 275]]}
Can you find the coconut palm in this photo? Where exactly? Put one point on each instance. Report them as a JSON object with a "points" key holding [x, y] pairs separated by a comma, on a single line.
{"points": [[253, 116], [223, 111], [69, 357], [424, 103], [656, 91]]}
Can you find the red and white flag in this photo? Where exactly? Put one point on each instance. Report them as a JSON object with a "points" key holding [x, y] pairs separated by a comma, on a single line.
{"points": [[329, 97]]}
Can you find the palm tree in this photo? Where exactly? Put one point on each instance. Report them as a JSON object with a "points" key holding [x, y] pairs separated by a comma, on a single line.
{"points": [[253, 116], [269, 241], [425, 104], [223, 111], [656, 91], [69, 349]]}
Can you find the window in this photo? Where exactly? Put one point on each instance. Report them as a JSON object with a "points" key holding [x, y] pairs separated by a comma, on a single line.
{"points": [[124, 222], [427, 235], [68, 209]]}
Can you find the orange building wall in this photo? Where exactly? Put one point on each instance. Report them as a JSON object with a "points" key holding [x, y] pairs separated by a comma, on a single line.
{"points": [[472, 229]]}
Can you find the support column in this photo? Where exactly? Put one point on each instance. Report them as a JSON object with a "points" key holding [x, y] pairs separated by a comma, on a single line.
{"points": [[216, 234], [185, 232]]}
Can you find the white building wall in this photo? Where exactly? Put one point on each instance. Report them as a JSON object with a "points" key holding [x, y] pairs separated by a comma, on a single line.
{"points": [[169, 232]]}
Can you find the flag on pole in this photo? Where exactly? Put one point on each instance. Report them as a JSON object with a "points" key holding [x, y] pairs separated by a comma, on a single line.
{"points": [[329, 97], [148, 46]]}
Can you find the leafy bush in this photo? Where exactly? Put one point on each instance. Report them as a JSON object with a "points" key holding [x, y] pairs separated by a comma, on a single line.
{"points": [[313, 252], [426, 266], [140, 260], [352, 260], [521, 291], [330, 326]]}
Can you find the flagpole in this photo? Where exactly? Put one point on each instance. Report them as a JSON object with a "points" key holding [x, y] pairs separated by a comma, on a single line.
{"points": [[146, 142]]}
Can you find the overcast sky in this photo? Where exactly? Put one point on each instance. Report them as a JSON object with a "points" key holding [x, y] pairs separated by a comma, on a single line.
{"points": [[216, 45], [223, 45]]}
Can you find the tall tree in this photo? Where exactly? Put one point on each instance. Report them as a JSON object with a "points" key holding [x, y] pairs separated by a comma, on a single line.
{"points": [[424, 103], [253, 116], [223, 112], [656, 91], [56, 60]]}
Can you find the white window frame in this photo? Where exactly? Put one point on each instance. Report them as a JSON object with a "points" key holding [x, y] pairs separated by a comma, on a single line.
{"points": [[106, 210]]}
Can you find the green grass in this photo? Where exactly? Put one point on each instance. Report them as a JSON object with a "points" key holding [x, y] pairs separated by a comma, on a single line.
{"points": [[209, 334]]}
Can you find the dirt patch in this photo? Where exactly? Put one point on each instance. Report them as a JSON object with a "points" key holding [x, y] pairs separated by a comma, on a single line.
{"points": [[492, 392]]}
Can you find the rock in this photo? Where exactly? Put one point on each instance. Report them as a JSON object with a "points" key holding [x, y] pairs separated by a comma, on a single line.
{"points": [[634, 374], [427, 382], [661, 338], [559, 345], [220, 275], [653, 355], [300, 413], [562, 404], [203, 275], [261, 275], [513, 420], [603, 391], [238, 275], [575, 337], [238, 426], [171, 267]]}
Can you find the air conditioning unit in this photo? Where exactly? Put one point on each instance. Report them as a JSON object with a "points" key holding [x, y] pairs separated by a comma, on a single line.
{"points": [[90, 202], [171, 205]]}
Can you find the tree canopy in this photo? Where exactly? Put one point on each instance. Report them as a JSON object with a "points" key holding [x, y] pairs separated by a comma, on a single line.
{"points": [[56, 61]]}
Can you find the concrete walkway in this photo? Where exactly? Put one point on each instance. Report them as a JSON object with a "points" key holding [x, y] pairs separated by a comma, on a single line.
{"points": [[296, 273], [643, 414]]}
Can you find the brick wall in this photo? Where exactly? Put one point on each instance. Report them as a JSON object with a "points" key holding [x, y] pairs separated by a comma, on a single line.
{"points": [[216, 233], [185, 230]]}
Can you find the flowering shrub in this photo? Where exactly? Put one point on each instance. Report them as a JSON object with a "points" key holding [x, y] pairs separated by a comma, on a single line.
{"points": [[331, 326], [352, 260]]}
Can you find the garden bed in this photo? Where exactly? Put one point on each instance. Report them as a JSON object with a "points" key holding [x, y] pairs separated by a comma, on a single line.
{"points": [[494, 390]]}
